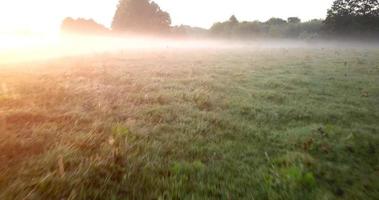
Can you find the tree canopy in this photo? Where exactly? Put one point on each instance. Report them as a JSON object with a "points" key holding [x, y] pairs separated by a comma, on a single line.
{"points": [[233, 19], [345, 17], [82, 26], [353, 16], [273, 28], [276, 21], [294, 20], [140, 16]]}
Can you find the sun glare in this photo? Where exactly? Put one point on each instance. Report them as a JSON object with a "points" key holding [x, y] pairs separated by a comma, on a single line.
{"points": [[31, 31], [27, 46]]}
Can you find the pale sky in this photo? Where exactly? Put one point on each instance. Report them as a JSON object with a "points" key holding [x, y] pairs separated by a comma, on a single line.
{"points": [[46, 15]]}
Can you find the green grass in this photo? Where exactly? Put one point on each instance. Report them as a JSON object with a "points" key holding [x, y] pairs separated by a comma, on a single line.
{"points": [[183, 124]]}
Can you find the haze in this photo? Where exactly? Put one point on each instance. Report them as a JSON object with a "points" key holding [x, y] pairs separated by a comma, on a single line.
{"points": [[30, 30], [46, 15]]}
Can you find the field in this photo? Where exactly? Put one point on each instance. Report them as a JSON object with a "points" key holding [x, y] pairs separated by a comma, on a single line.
{"points": [[276, 123]]}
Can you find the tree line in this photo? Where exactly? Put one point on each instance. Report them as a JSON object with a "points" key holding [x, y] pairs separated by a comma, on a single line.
{"points": [[344, 18], [272, 28]]}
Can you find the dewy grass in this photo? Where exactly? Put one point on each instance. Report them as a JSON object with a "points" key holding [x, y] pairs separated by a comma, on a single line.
{"points": [[181, 124]]}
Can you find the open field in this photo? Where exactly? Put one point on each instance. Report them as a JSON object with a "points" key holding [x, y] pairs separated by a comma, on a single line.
{"points": [[193, 124]]}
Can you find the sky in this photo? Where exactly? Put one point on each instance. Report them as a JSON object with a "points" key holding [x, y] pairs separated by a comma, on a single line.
{"points": [[46, 15]]}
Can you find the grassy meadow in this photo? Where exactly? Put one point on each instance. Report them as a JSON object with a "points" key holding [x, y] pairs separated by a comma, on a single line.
{"points": [[276, 123]]}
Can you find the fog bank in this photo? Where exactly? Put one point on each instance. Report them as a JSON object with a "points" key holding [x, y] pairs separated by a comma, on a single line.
{"points": [[18, 49]]}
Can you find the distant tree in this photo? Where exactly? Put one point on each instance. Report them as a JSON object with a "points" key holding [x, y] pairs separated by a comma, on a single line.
{"points": [[276, 21], [221, 29], [294, 20], [312, 26], [188, 31], [140, 16], [347, 16], [273, 28], [233, 19], [225, 29], [249, 30], [82, 26]]}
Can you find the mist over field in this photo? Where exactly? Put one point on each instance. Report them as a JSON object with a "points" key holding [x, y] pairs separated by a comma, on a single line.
{"points": [[144, 109], [39, 47]]}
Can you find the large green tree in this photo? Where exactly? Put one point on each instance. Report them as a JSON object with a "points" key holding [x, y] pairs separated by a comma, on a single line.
{"points": [[348, 16], [140, 16]]}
